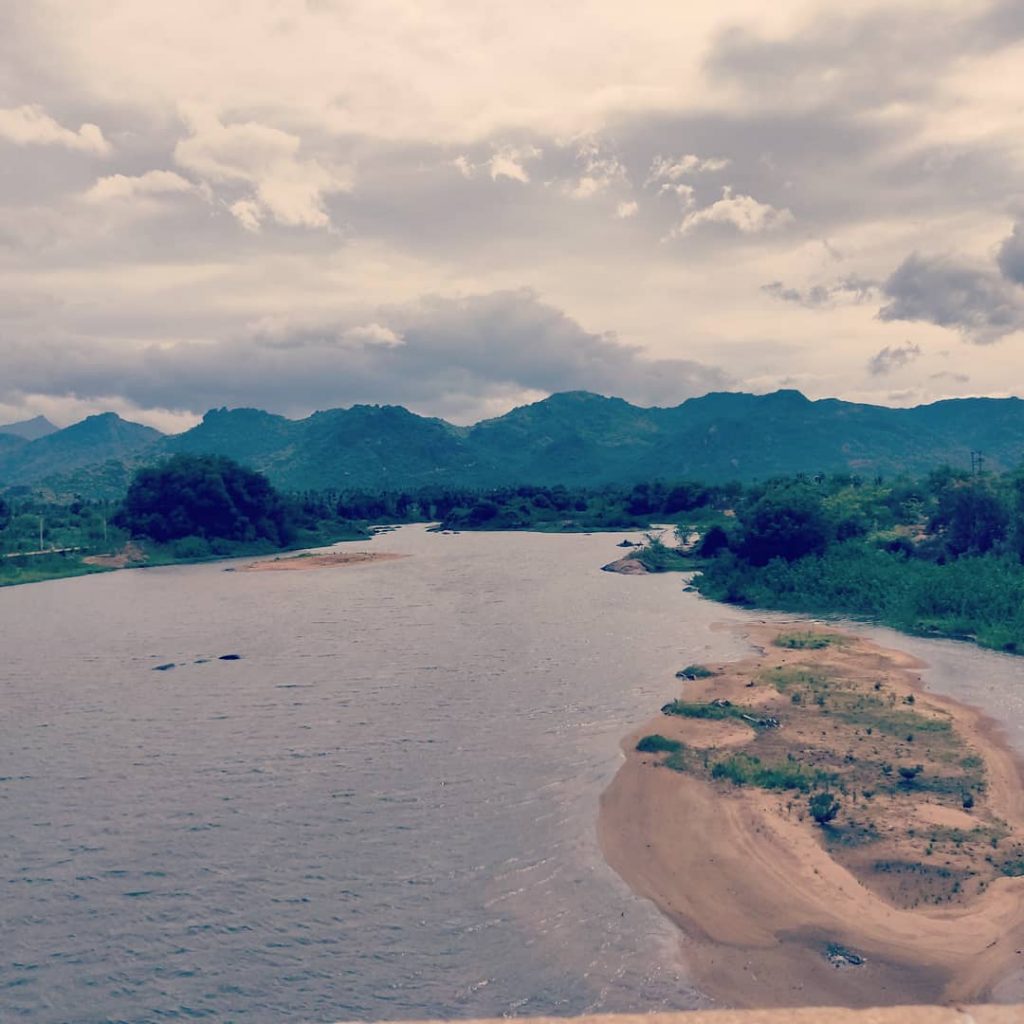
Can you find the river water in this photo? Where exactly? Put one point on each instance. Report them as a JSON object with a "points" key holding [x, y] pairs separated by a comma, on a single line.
{"points": [[384, 808]]}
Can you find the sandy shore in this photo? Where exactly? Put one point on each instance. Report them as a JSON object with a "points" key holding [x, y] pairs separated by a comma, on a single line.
{"points": [[756, 891], [297, 563]]}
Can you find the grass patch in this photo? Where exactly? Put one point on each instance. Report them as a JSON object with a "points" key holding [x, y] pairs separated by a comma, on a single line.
{"points": [[807, 641], [747, 770], [718, 711]]}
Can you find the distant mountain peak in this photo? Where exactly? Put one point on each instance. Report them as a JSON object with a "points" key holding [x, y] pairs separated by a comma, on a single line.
{"points": [[30, 430]]}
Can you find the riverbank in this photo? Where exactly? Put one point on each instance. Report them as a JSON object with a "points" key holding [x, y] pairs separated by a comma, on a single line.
{"points": [[905, 897]]}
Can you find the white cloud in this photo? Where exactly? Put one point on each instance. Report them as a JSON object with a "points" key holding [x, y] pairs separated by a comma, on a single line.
{"points": [[602, 172], [286, 186], [673, 169], [123, 186], [744, 213], [31, 126], [627, 208], [508, 162], [248, 213], [373, 334]]}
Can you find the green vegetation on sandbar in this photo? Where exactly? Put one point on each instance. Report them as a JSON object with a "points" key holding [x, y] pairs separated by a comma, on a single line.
{"points": [[657, 744], [748, 770]]}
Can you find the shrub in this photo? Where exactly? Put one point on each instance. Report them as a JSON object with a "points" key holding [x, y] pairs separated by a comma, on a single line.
{"points": [[657, 744], [823, 807], [695, 672]]}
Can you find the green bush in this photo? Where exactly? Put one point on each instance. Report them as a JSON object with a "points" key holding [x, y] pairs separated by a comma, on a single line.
{"points": [[657, 744]]}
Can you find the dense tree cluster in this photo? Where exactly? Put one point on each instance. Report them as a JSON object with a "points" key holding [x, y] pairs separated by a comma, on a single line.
{"points": [[940, 555], [205, 496]]}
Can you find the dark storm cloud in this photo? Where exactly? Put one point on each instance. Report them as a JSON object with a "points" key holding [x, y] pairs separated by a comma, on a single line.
{"points": [[976, 301], [893, 357], [441, 356]]}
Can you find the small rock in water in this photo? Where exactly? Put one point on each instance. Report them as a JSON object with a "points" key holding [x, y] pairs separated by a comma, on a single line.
{"points": [[200, 661], [230, 657], [164, 668]]}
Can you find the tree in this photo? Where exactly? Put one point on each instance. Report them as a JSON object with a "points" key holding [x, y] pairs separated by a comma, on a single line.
{"points": [[5, 514], [206, 496], [785, 522], [823, 807]]}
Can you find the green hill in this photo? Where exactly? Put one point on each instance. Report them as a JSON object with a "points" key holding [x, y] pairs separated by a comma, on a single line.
{"points": [[572, 438], [92, 442]]}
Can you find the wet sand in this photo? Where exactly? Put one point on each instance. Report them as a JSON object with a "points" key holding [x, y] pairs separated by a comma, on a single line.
{"points": [[747, 877], [297, 563]]}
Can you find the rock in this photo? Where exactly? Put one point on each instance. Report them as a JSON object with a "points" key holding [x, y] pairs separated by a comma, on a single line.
{"points": [[627, 566], [164, 668], [230, 657]]}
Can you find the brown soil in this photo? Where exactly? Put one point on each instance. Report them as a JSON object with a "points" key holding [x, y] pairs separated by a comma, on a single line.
{"points": [[905, 876], [130, 554], [300, 562]]}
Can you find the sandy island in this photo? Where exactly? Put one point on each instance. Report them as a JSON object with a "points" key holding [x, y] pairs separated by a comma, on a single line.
{"points": [[328, 561], [906, 897]]}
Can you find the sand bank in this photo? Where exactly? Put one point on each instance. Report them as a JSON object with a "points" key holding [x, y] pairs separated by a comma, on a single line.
{"points": [[297, 563], [907, 877]]}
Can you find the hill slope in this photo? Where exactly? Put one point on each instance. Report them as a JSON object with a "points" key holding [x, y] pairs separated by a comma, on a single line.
{"points": [[573, 438], [94, 441], [30, 430]]}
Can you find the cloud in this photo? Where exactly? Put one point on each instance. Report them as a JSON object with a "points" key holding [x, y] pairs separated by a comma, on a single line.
{"points": [[893, 357], [824, 296], [444, 356], [122, 186], [509, 162], [31, 126], [285, 186], [744, 213], [627, 208], [672, 169], [602, 171], [973, 300], [1011, 255]]}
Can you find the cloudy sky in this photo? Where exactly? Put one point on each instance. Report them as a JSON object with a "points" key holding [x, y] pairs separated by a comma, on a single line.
{"points": [[462, 206]]}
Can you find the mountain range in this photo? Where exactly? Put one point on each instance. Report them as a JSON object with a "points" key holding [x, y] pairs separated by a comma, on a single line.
{"points": [[573, 438]]}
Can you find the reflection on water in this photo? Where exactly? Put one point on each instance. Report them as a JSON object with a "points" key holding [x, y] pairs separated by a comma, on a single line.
{"points": [[385, 809]]}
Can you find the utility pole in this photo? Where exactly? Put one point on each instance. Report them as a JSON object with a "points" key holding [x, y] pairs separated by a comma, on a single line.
{"points": [[40, 533]]}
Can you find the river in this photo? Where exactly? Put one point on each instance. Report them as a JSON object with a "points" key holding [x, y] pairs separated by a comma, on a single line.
{"points": [[384, 808]]}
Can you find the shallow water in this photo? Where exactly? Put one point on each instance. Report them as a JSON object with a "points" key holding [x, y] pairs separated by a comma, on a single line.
{"points": [[385, 809]]}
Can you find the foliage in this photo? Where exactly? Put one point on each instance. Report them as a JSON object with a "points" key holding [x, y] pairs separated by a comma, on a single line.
{"points": [[748, 770], [203, 497], [657, 744], [806, 641], [940, 556], [823, 807]]}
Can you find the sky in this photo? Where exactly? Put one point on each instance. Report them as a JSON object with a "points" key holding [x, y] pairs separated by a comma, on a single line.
{"points": [[462, 207]]}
